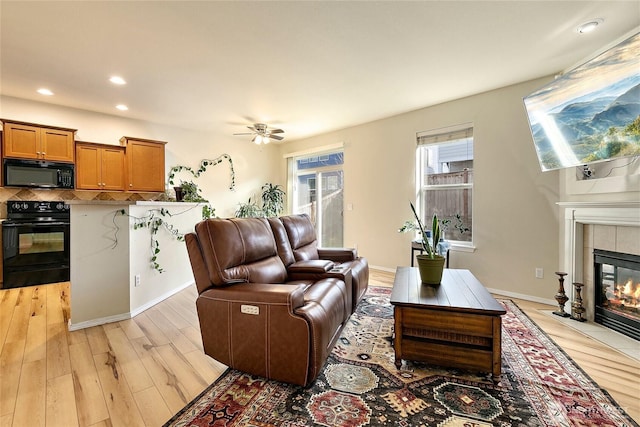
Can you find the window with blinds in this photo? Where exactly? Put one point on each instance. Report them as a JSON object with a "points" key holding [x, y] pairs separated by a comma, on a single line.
{"points": [[444, 160]]}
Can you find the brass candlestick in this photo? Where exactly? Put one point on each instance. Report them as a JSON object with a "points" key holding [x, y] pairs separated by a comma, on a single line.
{"points": [[561, 296], [577, 307]]}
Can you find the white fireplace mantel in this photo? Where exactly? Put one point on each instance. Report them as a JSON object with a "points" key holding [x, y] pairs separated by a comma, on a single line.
{"points": [[576, 214], [609, 213]]}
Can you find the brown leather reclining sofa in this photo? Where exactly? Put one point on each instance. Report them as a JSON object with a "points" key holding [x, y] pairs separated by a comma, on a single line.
{"points": [[271, 303]]}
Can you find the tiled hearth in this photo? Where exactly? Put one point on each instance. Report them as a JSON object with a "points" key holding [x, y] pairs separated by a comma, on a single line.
{"points": [[588, 226], [613, 339]]}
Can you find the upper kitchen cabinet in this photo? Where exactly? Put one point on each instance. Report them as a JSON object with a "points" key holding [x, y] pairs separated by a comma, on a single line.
{"points": [[145, 161], [100, 167], [39, 142]]}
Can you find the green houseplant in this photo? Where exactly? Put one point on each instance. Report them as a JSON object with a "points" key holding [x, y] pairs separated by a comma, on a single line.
{"points": [[249, 209], [191, 192], [430, 264], [272, 200]]}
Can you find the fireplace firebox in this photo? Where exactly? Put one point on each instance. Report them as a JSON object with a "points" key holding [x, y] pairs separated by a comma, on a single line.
{"points": [[617, 291]]}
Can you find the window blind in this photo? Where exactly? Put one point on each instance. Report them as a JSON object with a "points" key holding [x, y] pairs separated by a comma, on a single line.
{"points": [[451, 133]]}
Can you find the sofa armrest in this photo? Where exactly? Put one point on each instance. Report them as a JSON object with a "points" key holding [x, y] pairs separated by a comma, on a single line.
{"points": [[310, 266], [341, 272], [198, 264], [259, 293], [338, 254], [254, 327]]}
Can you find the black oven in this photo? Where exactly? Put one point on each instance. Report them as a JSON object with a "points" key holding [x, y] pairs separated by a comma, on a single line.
{"points": [[35, 243]]}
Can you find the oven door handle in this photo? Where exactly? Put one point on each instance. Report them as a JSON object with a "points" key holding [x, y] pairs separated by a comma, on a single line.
{"points": [[32, 224]]}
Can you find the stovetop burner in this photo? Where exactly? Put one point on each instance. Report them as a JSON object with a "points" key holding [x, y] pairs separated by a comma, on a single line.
{"points": [[36, 211]]}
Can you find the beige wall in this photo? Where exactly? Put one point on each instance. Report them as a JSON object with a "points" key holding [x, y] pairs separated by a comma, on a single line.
{"points": [[516, 221], [253, 165]]}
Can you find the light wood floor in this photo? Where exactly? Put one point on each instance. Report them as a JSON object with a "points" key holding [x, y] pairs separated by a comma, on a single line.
{"points": [[139, 372]]}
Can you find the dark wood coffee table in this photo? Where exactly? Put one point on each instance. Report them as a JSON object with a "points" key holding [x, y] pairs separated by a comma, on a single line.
{"points": [[455, 324]]}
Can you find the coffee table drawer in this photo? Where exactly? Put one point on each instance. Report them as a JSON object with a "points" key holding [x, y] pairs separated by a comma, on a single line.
{"points": [[444, 354], [447, 321]]}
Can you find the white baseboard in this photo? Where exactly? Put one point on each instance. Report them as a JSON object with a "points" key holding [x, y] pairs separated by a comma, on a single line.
{"points": [[129, 315], [98, 322], [523, 296], [159, 299]]}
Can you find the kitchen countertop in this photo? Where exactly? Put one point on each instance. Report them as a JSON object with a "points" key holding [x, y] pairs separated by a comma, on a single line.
{"points": [[129, 202]]}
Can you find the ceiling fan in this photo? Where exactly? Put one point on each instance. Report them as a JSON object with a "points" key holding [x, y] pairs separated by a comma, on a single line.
{"points": [[263, 134]]}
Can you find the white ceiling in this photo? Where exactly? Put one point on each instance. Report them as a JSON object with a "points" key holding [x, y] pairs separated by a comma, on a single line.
{"points": [[307, 67]]}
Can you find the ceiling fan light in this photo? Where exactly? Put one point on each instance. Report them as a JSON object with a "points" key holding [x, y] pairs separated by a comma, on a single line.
{"points": [[262, 135]]}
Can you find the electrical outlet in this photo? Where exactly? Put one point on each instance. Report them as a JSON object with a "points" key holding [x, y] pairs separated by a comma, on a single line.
{"points": [[539, 273], [137, 280]]}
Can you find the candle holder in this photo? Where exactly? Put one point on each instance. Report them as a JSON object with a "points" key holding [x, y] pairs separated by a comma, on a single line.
{"points": [[577, 308], [561, 296]]}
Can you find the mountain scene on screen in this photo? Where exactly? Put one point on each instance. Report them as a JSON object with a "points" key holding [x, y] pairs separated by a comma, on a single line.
{"points": [[599, 126]]}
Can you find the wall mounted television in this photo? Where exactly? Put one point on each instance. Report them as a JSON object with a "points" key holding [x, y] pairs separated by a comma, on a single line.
{"points": [[591, 113]]}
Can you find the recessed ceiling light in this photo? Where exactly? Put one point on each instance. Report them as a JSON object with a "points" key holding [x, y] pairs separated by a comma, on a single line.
{"points": [[122, 107], [587, 27], [117, 80], [45, 91]]}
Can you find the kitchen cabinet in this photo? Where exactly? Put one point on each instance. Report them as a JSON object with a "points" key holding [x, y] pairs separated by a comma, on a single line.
{"points": [[100, 167], [38, 142], [145, 164]]}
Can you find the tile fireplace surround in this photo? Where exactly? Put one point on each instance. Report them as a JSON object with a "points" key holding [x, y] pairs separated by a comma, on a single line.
{"points": [[613, 226]]}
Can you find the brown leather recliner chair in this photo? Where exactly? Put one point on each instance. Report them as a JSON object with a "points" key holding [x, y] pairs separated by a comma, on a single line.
{"points": [[304, 245], [253, 315]]}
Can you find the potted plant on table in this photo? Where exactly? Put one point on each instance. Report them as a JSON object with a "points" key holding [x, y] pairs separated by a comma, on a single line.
{"points": [[430, 264]]}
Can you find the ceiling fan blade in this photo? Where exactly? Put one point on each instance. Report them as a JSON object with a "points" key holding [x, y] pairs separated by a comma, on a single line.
{"points": [[252, 128], [276, 131], [244, 133], [276, 137]]}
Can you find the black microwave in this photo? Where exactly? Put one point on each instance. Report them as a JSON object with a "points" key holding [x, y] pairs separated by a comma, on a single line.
{"points": [[38, 174]]}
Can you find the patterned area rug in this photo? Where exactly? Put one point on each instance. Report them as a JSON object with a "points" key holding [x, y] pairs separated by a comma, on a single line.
{"points": [[360, 386]]}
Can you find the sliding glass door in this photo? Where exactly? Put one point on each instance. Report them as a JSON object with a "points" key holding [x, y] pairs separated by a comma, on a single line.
{"points": [[319, 192]]}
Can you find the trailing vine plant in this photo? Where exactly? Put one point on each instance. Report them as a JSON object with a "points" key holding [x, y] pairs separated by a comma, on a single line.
{"points": [[204, 163], [155, 218], [154, 221]]}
